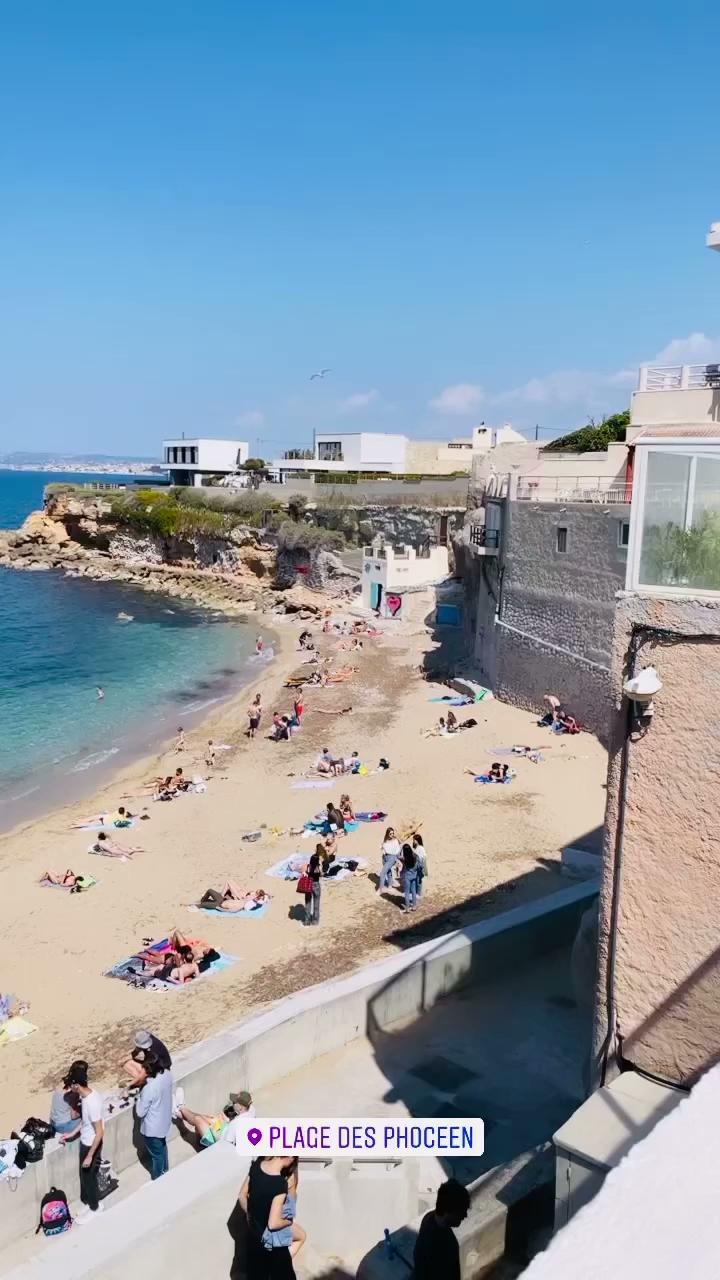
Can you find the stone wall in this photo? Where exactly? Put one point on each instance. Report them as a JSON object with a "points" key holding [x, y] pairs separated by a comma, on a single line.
{"points": [[544, 617], [409, 525], [660, 904]]}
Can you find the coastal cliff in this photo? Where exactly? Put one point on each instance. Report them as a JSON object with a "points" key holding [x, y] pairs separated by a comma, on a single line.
{"points": [[235, 554]]}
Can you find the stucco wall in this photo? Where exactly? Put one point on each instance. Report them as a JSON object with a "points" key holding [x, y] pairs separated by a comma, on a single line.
{"points": [[662, 846]]}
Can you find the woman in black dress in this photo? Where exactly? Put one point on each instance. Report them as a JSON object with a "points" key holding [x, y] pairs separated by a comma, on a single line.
{"points": [[262, 1196]]}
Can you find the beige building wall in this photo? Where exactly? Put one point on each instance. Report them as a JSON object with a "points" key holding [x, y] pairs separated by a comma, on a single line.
{"points": [[659, 967], [433, 457], [696, 406]]}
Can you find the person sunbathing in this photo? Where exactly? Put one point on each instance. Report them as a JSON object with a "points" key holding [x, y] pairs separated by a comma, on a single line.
{"points": [[121, 818], [498, 772], [346, 808], [68, 880], [110, 848], [234, 898], [179, 967]]}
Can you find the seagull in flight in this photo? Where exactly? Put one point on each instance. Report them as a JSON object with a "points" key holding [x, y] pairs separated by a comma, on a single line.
{"points": [[320, 374]]}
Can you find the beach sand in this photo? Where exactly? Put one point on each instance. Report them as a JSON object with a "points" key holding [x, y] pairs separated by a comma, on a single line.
{"points": [[489, 849]]}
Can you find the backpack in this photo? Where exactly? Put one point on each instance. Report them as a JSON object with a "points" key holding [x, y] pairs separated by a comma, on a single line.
{"points": [[55, 1216], [30, 1149], [39, 1129]]}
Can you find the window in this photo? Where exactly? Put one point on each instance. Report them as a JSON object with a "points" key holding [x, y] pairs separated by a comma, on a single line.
{"points": [[330, 451], [561, 538], [623, 533], [679, 518]]}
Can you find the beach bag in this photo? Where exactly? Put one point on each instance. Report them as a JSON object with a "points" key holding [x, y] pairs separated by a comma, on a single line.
{"points": [[39, 1129], [30, 1150], [55, 1214], [107, 1180], [304, 884]]}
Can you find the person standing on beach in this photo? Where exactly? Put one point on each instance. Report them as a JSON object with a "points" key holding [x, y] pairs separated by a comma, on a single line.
{"points": [[312, 899], [390, 850], [91, 1132], [210, 754], [180, 740], [254, 715]]}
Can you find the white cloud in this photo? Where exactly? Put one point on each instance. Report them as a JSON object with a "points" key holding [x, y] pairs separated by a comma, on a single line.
{"points": [[463, 397], [360, 400], [250, 418], [697, 348], [566, 387]]}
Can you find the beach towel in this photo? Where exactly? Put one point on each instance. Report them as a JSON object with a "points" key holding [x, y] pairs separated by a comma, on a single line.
{"points": [[290, 868], [460, 700], [232, 915], [134, 971], [100, 826], [485, 777], [293, 867], [371, 815], [305, 784], [16, 1029]]}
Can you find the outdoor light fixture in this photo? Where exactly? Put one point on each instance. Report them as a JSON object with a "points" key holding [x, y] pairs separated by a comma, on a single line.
{"points": [[642, 689]]}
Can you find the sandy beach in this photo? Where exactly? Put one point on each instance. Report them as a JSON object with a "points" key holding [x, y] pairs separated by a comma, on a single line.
{"points": [[489, 848]]}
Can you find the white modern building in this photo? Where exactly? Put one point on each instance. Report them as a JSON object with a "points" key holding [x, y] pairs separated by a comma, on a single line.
{"points": [[675, 439], [376, 452], [194, 461]]}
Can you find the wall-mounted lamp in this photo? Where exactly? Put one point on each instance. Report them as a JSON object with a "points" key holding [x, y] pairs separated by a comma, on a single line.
{"points": [[642, 690]]}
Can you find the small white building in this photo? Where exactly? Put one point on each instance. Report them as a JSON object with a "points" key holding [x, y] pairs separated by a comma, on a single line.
{"points": [[388, 572], [193, 462]]}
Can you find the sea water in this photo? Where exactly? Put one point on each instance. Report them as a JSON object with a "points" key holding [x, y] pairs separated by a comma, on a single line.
{"points": [[61, 638]]}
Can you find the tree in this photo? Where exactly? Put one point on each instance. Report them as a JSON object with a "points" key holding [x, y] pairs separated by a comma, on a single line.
{"points": [[593, 438], [254, 464]]}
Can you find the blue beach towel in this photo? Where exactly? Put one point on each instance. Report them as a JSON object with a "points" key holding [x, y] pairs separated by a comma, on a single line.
{"points": [[233, 915], [497, 782]]}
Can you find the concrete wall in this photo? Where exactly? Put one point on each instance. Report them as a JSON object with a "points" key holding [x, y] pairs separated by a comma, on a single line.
{"points": [[699, 406], [661, 865], [323, 1018], [554, 629], [436, 457], [441, 490]]}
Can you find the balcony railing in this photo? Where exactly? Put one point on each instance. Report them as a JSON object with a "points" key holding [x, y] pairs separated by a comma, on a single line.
{"points": [[679, 377], [481, 536], [600, 489]]}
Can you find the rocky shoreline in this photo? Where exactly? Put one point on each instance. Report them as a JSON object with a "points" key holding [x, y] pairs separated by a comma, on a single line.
{"points": [[237, 573]]}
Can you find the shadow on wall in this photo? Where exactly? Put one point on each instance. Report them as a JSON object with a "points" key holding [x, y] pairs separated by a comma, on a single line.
{"points": [[507, 1040]]}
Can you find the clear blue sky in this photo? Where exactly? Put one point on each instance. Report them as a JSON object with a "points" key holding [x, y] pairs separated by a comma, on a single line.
{"points": [[202, 203]]}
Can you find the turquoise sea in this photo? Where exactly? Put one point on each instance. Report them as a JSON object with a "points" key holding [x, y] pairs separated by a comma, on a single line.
{"points": [[61, 637]]}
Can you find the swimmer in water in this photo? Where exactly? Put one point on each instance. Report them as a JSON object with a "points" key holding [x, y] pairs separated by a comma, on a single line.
{"points": [[259, 645], [99, 693]]}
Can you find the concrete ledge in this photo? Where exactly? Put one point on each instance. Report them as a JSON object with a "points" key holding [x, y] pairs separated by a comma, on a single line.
{"points": [[294, 1032]]}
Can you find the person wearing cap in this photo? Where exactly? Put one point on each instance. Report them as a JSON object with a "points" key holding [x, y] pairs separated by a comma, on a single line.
{"points": [[210, 1129], [145, 1042]]}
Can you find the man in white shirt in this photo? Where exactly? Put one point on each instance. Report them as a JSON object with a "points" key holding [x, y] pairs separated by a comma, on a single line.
{"points": [[91, 1138], [244, 1109], [154, 1109]]}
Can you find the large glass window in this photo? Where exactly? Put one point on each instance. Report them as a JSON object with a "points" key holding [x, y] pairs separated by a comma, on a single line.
{"points": [[681, 521], [330, 451]]}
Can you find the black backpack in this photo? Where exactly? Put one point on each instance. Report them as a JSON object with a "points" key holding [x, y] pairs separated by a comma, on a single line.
{"points": [[30, 1149], [40, 1129]]}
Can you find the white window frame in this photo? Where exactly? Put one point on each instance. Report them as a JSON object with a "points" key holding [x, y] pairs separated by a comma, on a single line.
{"points": [[686, 448]]}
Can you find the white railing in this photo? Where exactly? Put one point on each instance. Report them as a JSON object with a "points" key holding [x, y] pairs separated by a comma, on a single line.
{"points": [[599, 489], [679, 377]]}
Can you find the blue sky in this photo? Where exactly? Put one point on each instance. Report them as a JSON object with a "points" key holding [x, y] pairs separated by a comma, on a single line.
{"points": [[468, 211]]}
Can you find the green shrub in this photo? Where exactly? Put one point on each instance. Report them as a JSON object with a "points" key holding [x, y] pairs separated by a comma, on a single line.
{"points": [[307, 537], [594, 438]]}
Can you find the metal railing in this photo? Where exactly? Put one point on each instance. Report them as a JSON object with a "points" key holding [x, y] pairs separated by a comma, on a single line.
{"points": [[600, 489], [480, 536], [679, 377]]}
